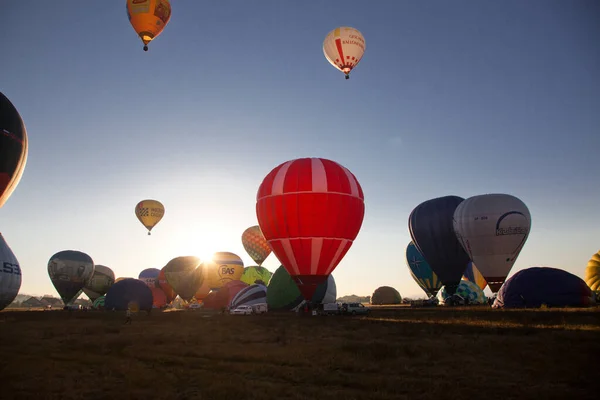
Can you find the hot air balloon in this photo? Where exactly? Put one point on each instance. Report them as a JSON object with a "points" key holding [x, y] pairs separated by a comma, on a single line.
{"points": [[592, 273], [430, 226], [185, 275], [123, 277], [344, 48], [533, 287], [99, 303], [421, 271], [203, 291], [492, 229], [472, 274], [255, 244], [159, 299], [310, 211], [468, 290], [222, 268], [219, 299], [164, 285], [249, 296], [283, 292], [149, 212], [150, 276], [129, 294], [10, 275], [70, 271], [256, 274], [386, 295], [148, 18], [13, 148], [101, 281]]}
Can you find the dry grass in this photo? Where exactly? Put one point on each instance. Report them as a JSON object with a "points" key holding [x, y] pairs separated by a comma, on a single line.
{"points": [[396, 353]]}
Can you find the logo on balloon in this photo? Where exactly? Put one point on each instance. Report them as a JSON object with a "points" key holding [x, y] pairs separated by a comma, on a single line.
{"points": [[516, 225], [224, 270]]}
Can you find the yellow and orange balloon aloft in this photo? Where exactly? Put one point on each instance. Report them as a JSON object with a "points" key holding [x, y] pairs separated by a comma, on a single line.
{"points": [[148, 18]]}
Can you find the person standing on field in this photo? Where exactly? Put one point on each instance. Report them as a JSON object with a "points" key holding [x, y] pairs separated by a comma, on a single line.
{"points": [[128, 317]]}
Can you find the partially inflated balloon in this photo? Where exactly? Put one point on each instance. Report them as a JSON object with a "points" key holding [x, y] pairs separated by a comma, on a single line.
{"points": [[218, 299], [10, 275], [310, 211], [430, 226], [13, 148], [99, 303], [249, 296], [203, 291], [386, 295], [468, 291], [102, 279], [159, 299], [255, 244], [344, 48], [130, 294], [222, 268], [592, 273], [123, 277], [421, 271], [472, 274], [256, 274], [492, 228], [164, 285], [283, 292], [149, 212], [70, 271], [148, 18], [149, 276], [185, 275]]}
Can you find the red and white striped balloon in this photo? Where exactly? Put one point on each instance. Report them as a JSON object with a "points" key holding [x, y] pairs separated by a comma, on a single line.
{"points": [[310, 210]]}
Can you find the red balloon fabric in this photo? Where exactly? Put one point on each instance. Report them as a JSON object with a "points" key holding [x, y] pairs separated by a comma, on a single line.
{"points": [[159, 298], [310, 210], [218, 299]]}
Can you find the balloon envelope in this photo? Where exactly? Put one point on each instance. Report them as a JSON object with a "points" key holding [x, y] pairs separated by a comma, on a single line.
{"points": [[150, 276], [10, 274], [592, 273], [492, 228], [102, 279], [70, 271], [166, 288], [533, 287], [344, 48], [251, 295], [256, 274], [472, 274], [255, 244], [185, 275], [221, 298], [283, 292], [222, 268], [467, 290], [149, 213], [99, 303], [421, 271], [13, 148], [129, 293], [148, 18], [310, 210], [432, 231], [159, 299], [386, 295]]}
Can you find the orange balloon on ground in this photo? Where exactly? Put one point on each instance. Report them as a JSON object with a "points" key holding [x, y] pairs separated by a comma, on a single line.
{"points": [[159, 298], [216, 300], [203, 291], [148, 18], [166, 288]]}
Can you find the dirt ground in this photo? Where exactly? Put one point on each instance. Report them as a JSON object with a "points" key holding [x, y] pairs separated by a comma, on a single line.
{"points": [[395, 353]]}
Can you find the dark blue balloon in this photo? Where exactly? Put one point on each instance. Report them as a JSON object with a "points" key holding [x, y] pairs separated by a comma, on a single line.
{"points": [[126, 292], [149, 273], [535, 286], [432, 231]]}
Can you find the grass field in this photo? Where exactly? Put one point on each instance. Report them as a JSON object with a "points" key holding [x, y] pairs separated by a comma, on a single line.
{"points": [[396, 353]]}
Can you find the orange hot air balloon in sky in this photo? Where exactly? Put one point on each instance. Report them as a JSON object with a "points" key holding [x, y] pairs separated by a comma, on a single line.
{"points": [[148, 18], [310, 211]]}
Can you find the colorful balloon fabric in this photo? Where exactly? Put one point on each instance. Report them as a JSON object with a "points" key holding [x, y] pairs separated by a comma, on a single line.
{"points": [[150, 277], [472, 274], [222, 268], [149, 213], [148, 18], [592, 273], [221, 298], [185, 275], [203, 291], [10, 275], [310, 210], [166, 288], [255, 244], [386, 295], [537, 286], [431, 229], [130, 294], [256, 274], [99, 303], [468, 291], [13, 148], [421, 271], [283, 292], [492, 228], [102, 279], [251, 295], [159, 299], [344, 48], [70, 271]]}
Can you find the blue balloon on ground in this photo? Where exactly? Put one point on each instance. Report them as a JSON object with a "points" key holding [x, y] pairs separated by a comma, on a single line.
{"points": [[128, 293], [421, 271], [537, 286]]}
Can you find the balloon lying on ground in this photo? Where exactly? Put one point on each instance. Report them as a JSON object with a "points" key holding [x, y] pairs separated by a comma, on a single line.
{"points": [[148, 18], [592, 273], [468, 291], [386, 295], [129, 294], [255, 244], [70, 271], [223, 267], [283, 292], [251, 295], [221, 298], [421, 271], [310, 210], [344, 48], [149, 213], [185, 275], [150, 276], [256, 274], [492, 228], [472, 274], [537, 286], [13, 148], [431, 229], [10, 274], [102, 279]]}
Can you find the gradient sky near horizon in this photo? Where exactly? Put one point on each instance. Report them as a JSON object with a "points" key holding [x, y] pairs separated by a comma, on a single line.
{"points": [[461, 97]]}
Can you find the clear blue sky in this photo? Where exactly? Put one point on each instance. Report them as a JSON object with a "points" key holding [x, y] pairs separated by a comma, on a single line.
{"points": [[461, 97]]}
